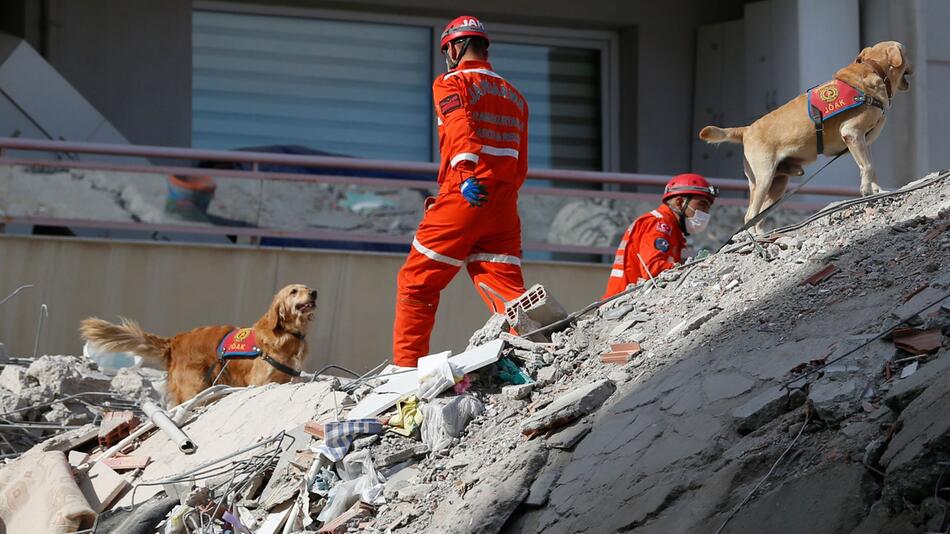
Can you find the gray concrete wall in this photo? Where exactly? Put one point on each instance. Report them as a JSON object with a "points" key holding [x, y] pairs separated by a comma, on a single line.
{"points": [[171, 288], [131, 59]]}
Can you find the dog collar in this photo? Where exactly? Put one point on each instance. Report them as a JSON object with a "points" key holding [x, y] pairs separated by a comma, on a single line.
{"points": [[879, 70], [298, 335]]}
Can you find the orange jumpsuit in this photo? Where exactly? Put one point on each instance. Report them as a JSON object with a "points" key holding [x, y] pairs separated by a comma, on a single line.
{"points": [[657, 237], [483, 132]]}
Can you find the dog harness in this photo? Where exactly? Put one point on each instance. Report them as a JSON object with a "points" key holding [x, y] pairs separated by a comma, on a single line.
{"points": [[240, 344], [827, 100]]}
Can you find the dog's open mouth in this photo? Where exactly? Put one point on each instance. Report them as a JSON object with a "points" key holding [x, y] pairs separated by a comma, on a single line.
{"points": [[306, 306]]}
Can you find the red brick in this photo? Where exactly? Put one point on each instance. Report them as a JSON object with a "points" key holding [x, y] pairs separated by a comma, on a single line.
{"points": [[821, 275]]}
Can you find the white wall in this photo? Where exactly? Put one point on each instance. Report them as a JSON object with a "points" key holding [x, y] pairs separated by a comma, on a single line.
{"points": [[172, 288]]}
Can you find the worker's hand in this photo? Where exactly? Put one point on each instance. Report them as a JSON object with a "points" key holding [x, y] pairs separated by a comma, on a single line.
{"points": [[428, 203], [474, 192]]}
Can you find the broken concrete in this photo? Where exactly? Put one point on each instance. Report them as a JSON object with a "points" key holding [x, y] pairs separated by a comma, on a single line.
{"points": [[569, 407], [767, 406], [905, 390], [660, 454], [486, 507], [834, 400]]}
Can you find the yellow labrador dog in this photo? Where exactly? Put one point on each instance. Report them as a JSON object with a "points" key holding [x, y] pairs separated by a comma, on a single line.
{"points": [[846, 113]]}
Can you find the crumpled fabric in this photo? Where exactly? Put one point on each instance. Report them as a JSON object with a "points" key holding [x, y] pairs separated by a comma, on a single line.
{"points": [[511, 373], [408, 416], [445, 419], [339, 435]]}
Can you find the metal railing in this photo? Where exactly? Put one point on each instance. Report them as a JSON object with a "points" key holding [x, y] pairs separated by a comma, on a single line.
{"points": [[66, 151]]}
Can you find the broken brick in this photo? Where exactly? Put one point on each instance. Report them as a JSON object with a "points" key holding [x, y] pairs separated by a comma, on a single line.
{"points": [[917, 341], [126, 463], [632, 347], [821, 275], [115, 426], [618, 358], [314, 428]]}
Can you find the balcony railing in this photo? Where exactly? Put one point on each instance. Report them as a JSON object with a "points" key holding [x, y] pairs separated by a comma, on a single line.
{"points": [[541, 206]]}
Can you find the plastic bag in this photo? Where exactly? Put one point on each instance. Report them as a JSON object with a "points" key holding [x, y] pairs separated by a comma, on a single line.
{"points": [[436, 374], [447, 418]]}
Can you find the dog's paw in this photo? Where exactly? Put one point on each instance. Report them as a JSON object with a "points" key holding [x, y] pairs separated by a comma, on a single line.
{"points": [[871, 189]]}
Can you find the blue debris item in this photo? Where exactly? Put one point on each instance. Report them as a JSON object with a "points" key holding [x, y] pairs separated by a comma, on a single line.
{"points": [[509, 372]]}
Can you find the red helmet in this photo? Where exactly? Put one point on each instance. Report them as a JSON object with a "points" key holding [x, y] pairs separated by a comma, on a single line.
{"points": [[465, 26], [690, 184]]}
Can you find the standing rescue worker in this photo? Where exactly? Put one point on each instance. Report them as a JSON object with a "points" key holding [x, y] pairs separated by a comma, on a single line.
{"points": [[659, 236], [483, 141]]}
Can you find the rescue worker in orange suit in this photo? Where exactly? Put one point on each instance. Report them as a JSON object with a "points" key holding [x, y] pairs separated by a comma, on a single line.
{"points": [[659, 237], [483, 140]]}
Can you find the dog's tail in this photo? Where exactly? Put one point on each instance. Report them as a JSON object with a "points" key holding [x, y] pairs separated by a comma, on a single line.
{"points": [[715, 134], [125, 337]]}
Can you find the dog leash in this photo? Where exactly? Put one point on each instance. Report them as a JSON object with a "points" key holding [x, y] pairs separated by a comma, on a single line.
{"points": [[762, 214]]}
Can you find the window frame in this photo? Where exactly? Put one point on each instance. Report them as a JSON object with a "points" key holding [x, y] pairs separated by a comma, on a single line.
{"points": [[604, 41]]}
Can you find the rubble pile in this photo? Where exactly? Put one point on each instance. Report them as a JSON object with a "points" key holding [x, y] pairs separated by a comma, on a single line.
{"points": [[57, 393], [795, 383]]}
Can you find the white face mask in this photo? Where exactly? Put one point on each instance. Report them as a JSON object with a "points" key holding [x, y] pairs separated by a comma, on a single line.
{"points": [[698, 222]]}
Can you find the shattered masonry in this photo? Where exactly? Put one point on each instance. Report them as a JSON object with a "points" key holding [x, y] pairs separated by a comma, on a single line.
{"points": [[658, 413]]}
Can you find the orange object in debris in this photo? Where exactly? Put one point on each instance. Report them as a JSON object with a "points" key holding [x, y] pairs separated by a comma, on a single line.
{"points": [[656, 236], [823, 274], [483, 133], [115, 426], [632, 346], [314, 429], [918, 341], [621, 353], [121, 462]]}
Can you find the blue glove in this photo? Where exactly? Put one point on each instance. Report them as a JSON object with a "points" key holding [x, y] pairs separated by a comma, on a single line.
{"points": [[474, 192]]}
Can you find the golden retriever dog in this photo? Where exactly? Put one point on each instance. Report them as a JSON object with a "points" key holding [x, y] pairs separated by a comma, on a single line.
{"points": [[787, 138], [192, 357]]}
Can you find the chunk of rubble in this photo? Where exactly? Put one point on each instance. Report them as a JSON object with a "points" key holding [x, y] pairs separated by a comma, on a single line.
{"points": [[496, 325], [569, 407], [767, 406], [15, 379], [688, 325], [414, 451], [833, 400], [487, 506], [904, 391], [519, 391], [67, 375]]}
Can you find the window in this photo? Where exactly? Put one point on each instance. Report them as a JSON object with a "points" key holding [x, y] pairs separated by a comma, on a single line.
{"points": [[562, 87], [351, 88], [360, 85]]}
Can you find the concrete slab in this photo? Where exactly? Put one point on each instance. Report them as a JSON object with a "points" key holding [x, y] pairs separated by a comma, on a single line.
{"points": [[905, 390], [726, 386], [235, 422]]}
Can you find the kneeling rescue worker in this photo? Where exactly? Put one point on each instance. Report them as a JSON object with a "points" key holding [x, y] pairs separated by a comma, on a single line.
{"points": [[659, 237], [483, 140]]}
